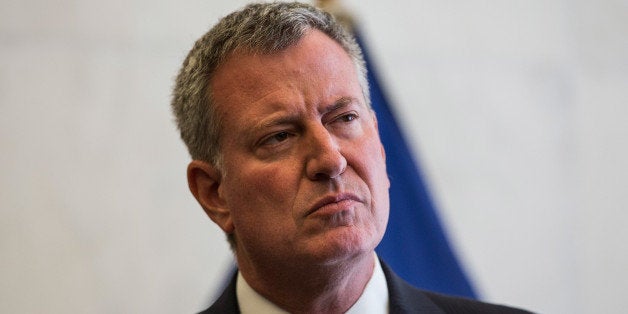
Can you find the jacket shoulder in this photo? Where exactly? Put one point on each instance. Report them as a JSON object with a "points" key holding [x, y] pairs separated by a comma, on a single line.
{"points": [[455, 305], [404, 298]]}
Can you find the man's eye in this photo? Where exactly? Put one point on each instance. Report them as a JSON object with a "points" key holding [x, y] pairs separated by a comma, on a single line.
{"points": [[276, 138], [348, 117], [280, 136]]}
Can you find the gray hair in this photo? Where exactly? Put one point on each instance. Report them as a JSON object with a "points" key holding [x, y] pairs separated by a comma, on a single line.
{"points": [[257, 28]]}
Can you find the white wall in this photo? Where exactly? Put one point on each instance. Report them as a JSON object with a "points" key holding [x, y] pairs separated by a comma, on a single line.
{"points": [[516, 110]]}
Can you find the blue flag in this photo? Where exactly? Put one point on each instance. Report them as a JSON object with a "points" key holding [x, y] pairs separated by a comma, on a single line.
{"points": [[414, 245]]}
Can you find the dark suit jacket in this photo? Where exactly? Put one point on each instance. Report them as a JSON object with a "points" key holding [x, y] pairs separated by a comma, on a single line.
{"points": [[403, 298]]}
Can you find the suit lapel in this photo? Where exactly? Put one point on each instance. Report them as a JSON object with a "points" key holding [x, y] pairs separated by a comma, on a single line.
{"points": [[227, 302], [404, 298]]}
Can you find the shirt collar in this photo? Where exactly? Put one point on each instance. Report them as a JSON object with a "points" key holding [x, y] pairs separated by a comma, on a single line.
{"points": [[374, 298], [252, 302]]}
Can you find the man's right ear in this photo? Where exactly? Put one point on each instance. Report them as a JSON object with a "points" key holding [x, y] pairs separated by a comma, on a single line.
{"points": [[204, 181]]}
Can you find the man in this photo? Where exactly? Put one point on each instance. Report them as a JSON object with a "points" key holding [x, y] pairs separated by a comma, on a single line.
{"points": [[273, 105]]}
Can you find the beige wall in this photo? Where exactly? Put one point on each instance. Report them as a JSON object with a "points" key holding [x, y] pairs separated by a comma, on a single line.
{"points": [[517, 110]]}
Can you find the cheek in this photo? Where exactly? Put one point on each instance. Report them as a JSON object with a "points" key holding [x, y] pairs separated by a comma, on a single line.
{"points": [[261, 201], [373, 168], [378, 184], [265, 189], [374, 161]]}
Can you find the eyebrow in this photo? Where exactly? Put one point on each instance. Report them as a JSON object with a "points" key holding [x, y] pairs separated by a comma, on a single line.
{"points": [[283, 119], [290, 118], [342, 102]]}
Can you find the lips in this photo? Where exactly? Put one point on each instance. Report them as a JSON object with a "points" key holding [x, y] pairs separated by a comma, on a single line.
{"points": [[333, 203]]}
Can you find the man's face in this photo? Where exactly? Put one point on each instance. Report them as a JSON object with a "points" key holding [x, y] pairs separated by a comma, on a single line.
{"points": [[304, 170]]}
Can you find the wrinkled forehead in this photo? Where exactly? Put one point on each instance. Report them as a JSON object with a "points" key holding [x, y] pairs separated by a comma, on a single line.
{"points": [[315, 55], [314, 71]]}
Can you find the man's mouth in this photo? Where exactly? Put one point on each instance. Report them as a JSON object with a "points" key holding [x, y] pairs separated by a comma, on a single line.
{"points": [[331, 204]]}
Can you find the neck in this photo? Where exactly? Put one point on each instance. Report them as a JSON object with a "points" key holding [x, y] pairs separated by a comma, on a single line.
{"points": [[329, 288]]}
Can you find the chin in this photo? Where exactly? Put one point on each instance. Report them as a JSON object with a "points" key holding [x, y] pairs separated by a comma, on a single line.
{"points": [[342, 243]]}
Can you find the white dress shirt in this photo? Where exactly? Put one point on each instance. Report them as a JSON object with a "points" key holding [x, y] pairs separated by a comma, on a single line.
{"points": [[374, 298]]}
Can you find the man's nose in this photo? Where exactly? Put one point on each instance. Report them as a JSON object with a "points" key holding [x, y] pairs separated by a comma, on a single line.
{"points": [[325, 161]]}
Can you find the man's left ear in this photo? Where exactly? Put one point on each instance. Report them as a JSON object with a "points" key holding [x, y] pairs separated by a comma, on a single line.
{"points": [[204, 182]]}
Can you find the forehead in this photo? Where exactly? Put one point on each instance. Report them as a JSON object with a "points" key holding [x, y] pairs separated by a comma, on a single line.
{"points": [[313, 70], [315, 52]]}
